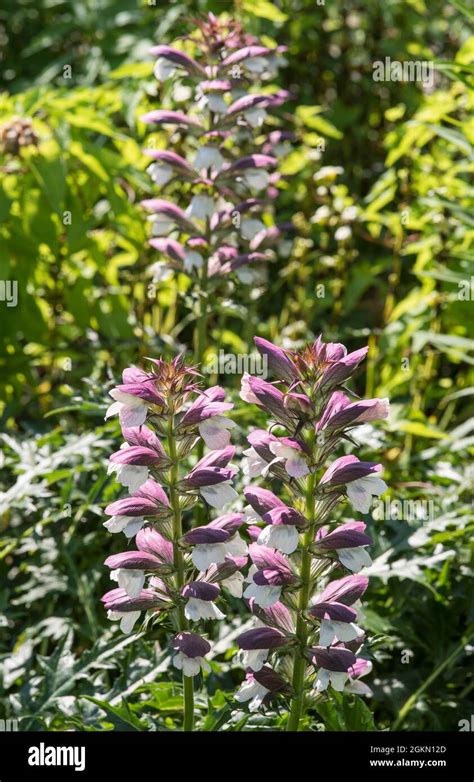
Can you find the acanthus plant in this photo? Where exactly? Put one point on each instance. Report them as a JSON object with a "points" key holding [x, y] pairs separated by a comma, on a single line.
{"points": [[304, 584], [217, 178], [175, 574]]}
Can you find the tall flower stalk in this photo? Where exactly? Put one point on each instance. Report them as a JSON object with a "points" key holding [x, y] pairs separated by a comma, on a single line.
{"points": [[176, 572], [213, 222], [302, 586]]}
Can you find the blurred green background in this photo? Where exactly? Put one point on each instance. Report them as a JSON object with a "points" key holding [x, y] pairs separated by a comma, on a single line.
{"points": [[400, 275]]}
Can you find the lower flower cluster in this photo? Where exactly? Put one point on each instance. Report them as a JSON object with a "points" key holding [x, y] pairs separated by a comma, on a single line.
{"points": [[303, 586], [176, 577]]}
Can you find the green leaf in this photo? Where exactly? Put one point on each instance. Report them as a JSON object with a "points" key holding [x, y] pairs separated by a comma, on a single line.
{"points": [[420, 430], [346, 713], [309, 116], [465, 10], [264, 10], [89, 121], [136, 70], [453, 137], [5, 204], [89, 161], [446, 342], [458, 395], [120, 716], [332, 716], [357, 714], [50, 173]]}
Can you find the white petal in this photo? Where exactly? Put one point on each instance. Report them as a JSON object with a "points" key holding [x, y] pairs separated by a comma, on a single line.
{"points": [[208, 157], [216, 103], [378, 486], [181, 92], [250, 689], [354, 558], [255, 117], [256, 178], [246, 275], [191, 665], [235, 546], [132, 416], [250, 228], [205, 554], [296, 466], [256, 702], [128, 620], [160, 173], [113, 409], [113, 467], [338, 680], [342, 233], [326, 632], [246, 392], [126, 399], [192, 610], [196, 609], [346, 631], [133, 526], [255, 658], [160, 225], [341, 631], [131, 580], [117, 523], [160, 272], [358, 688], [217, 613], [283, 537], [322, 680], [253, 465], [295, 463], [163, 69], [359, 497], [178, 661], [251, 572], [251, 516], [192, 260], [132, 476], [234, 584], [214, 432], [360, 492], [265, 596], [219, 495], [267, 467], [256, 64], [201, 207]]}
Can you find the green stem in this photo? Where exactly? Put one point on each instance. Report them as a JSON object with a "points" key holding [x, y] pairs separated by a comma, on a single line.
{"points": [[201, 332], [188, 687], [200, 347], [299, 665]]}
